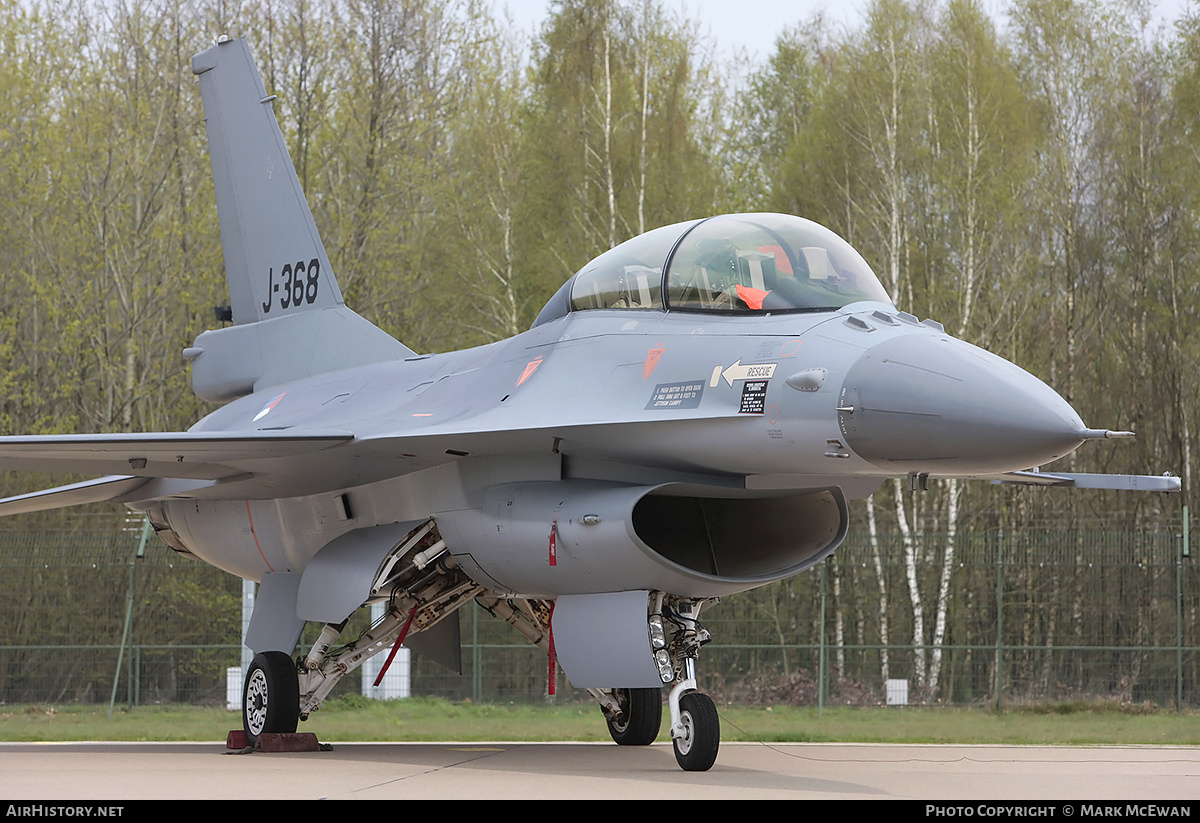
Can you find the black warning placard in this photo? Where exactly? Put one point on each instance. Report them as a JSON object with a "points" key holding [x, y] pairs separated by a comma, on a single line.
{"points": [[754, 397], [683, 395]]}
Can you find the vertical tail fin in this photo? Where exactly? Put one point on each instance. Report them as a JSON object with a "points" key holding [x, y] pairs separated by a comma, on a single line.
{"points": [[289, 319], [274, 259]]}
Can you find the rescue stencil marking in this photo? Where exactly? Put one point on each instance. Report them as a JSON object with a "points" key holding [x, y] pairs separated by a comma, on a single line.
{"points": [[754, 397], [684, 395], [757, 371], [767, 350]]}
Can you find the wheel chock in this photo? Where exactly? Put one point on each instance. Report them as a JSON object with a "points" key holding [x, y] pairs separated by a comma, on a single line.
{"points": [[275, 742]]}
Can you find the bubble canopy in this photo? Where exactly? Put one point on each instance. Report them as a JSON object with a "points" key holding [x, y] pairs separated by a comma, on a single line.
{"points": [[738, 263]]}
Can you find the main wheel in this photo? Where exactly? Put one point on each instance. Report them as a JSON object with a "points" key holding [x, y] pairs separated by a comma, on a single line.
{"points": [[271, 696], [696, 751], [641, 717]]}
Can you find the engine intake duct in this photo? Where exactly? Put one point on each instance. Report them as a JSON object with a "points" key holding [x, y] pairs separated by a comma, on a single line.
{"points": [[587, 536], [745, 538]]}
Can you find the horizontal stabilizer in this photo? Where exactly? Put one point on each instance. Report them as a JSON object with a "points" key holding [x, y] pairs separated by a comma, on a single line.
{"points": [[100, 490], [1119, 482], [235, 361], [195, 455]]}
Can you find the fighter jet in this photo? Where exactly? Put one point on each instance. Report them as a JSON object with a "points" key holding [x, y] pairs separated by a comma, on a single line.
{"points": [[688, 417]]}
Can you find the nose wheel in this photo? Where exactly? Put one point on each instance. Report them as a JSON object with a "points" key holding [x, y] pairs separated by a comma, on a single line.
{"points": [[695, 727], [635, 714], [699, 733]]}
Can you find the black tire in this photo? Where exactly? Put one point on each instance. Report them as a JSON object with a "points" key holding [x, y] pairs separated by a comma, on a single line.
{"points": [[641, 717], [696, 751], [270, 696]]}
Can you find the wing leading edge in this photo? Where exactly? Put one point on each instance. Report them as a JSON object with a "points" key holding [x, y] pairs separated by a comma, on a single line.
{"points": [[1083, 480], [193, 455], [159, 464], [142, 467], [100, 490], [266, 464]]}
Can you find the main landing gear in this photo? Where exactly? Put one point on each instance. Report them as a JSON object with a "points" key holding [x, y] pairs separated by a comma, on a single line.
{"points": [[420, 586], [270, 696], [279, 691], [634, 715], [637, 718]]}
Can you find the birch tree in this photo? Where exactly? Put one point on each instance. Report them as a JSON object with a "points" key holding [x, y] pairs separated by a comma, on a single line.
{"points": [[617, 105]]}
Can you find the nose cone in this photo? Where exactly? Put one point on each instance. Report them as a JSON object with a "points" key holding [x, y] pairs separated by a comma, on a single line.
{"points": [[931, 403]]}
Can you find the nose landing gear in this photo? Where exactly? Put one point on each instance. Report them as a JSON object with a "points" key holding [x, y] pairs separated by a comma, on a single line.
{"points": [[635, 714], [695, 726], [696, 734]]}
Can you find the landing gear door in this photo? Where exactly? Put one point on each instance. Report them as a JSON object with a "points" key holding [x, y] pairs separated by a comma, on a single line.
{"points": [[442, 643], [602, 640], [339, 577], [274, 625]]}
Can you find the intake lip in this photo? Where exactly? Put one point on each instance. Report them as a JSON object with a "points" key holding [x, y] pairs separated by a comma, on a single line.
{"points": [[931, 403]]}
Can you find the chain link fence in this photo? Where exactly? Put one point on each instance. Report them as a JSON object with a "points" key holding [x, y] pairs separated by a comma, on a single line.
{"points": [[1032, 617]]}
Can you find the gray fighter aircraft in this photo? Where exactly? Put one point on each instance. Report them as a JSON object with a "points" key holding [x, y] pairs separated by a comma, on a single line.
{"points": [[687, 418]]}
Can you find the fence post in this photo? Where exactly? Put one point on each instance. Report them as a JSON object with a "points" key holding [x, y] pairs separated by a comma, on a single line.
{"points": [[999, 623], [822, 673], [476, 658], [139, 552], [1184, 550]]}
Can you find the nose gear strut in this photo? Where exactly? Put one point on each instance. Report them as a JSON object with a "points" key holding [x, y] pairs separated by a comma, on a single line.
{"points": [[695, 726]]}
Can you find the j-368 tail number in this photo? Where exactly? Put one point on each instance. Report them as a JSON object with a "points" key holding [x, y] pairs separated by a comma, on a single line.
{"points": [[298, 283]]}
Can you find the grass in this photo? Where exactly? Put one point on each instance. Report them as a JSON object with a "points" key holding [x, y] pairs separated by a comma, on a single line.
{"points": [[425, 719]]}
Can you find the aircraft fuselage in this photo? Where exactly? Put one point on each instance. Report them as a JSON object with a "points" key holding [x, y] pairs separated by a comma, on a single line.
{"points": [[752, 407]]}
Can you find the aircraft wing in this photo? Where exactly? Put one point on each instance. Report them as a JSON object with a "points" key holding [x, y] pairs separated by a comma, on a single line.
{"points": [[1077, 480], [269, 464], [194, 455], [264, 464], [143, 466], [99, 490]]}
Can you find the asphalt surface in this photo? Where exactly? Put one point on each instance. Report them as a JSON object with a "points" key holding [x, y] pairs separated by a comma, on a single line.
{"points": [[368, 771]]}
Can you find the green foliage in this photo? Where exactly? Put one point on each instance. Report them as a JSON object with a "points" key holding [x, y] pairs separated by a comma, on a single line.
{"points": [[414, 719], [1098, 707], [1031, 188], [617, 107], [1034, 187]]}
